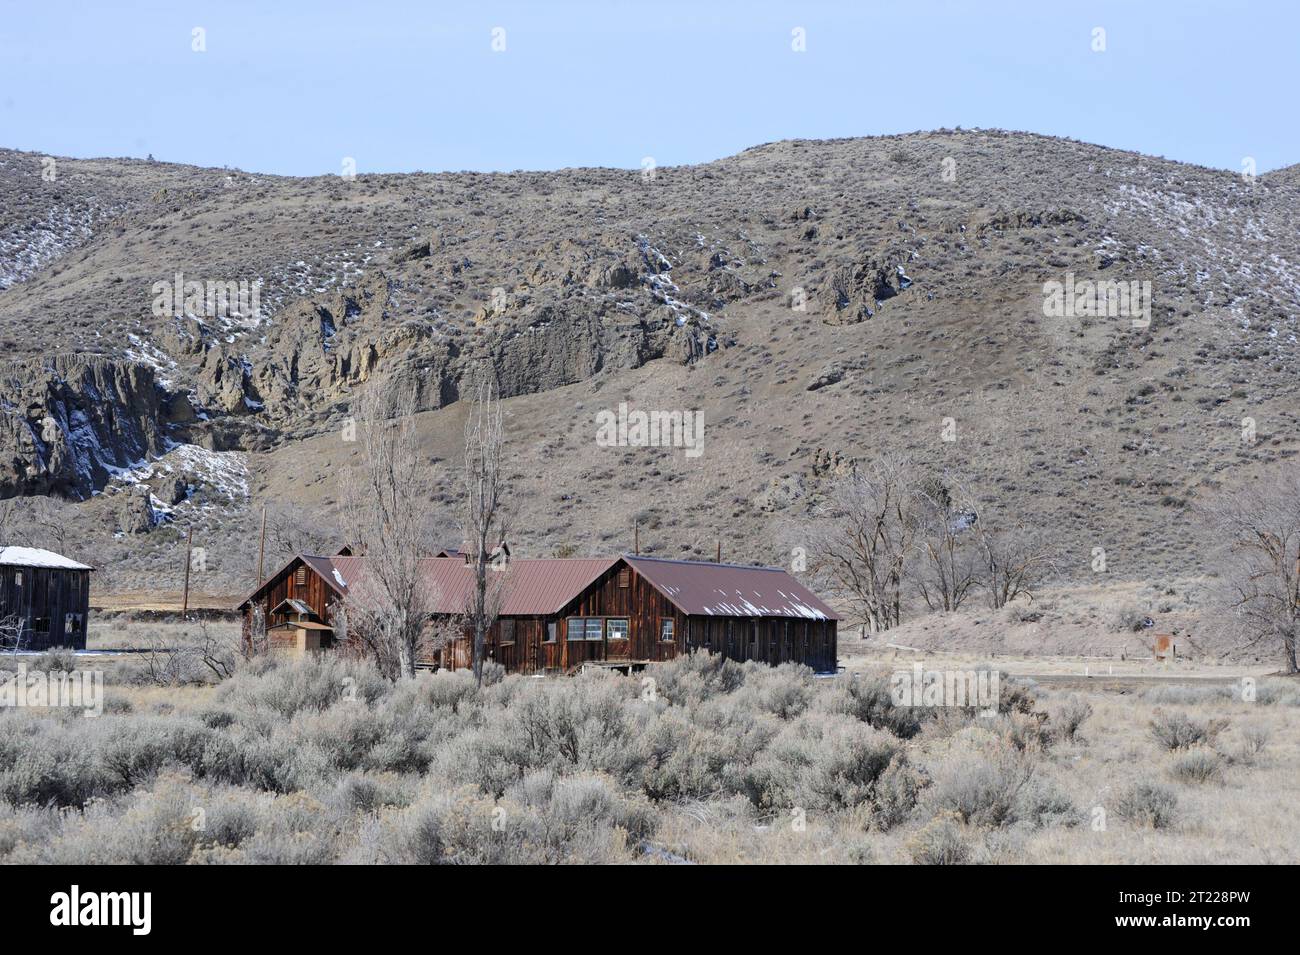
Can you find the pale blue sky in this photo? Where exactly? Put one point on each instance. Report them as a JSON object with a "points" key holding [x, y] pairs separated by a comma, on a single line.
{"points": [[288, 87]]}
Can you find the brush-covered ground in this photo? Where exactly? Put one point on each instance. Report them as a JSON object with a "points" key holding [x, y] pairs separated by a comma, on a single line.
{"points": [[699, 760]]}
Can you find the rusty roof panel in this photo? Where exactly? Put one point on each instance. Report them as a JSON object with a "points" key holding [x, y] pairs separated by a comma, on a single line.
{"points": [[731, 590], [533, 586]]}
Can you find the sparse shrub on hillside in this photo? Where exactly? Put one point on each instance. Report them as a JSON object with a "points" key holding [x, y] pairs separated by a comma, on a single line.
{"points": [[822, 762], [1025, 732], [1148, 804], [1129, 619], [1042, 804], [1070, 716], [55, 660], [545, 819], [896, 794], [867, 697], [942, 841], [695, 677], [1254, 742], [982, 782], [313, 684], [1198, 765], [1180, 731], [784, 691]]}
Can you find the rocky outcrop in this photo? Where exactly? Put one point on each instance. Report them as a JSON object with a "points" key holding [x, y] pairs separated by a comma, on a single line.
{"points": [[857, 289], [67, 421]]}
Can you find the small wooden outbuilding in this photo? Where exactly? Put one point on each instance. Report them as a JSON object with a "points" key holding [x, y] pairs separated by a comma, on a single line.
{"points": [[44, 599]]}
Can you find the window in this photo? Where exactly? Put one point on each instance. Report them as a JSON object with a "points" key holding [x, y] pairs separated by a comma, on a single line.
{"points": [[550, 632], [584, 628], [666, 628], [624, 579], [617, 628], [72, 623], [41, 625], [507, 632], [300, 577]]}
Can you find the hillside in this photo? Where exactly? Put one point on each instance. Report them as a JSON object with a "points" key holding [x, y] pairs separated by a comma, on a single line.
{"points": [[818, 301]]}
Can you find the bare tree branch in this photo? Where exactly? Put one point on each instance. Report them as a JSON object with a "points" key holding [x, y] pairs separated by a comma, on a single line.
{"points": [[386, 511]]}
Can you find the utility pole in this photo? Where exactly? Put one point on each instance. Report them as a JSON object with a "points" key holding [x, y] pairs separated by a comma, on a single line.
{"points": [[189, 547], [719, 560], [636, 538], [261, 547]]}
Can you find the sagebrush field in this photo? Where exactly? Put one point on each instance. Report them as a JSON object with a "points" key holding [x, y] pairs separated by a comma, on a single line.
{"points": [[700, 760]]}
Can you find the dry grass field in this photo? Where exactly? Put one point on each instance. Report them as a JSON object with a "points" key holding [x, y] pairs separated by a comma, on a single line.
{"points": [[697, 761]]}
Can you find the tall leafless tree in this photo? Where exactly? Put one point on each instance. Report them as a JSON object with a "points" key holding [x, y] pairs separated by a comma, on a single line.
{"points": [[1258, 530], [386, 511], [947, 570], [867, 537], [1014, 559], [292, 529], [485, 515]]}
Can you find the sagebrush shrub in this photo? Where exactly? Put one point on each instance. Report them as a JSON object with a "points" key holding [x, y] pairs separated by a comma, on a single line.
{"points": [[695, 677], [821, 762], [1148, 804], [868, 697], [942, 841], [1198, 765], [1070, 716], [981, 784], [1180, 731]]}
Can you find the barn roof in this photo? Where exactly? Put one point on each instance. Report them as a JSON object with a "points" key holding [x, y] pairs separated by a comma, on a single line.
{"points": [[35, 557], [536, 587], [544, 586], [731, 590]]}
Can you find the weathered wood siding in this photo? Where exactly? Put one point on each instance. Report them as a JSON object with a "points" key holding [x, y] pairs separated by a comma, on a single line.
{"points": [[537, 644], [767, 639], [619, 592], [43, 601], [309, 588], [533, 650]]}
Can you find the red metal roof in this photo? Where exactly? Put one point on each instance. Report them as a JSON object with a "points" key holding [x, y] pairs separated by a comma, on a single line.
{"points": [[731, 590], [533, 586], [543, 586]]}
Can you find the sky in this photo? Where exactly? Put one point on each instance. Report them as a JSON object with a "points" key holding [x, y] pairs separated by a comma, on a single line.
{"points": [[297, 88]]}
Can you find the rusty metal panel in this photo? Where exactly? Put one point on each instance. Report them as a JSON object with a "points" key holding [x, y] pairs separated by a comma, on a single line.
{"points": [[731, 590]]}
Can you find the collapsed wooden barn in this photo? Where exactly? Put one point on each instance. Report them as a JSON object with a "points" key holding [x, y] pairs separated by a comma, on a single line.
{"points": [[44, 599], [561, 613]]}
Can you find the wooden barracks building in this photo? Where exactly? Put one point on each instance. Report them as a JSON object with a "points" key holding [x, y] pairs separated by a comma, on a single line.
{"points": [[560, 613], [44, 599]]}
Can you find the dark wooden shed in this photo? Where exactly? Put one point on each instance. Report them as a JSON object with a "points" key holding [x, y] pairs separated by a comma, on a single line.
{"points": [[44, 599]]}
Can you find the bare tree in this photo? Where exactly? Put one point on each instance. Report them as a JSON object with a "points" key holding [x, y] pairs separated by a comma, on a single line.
{"points": [[12, 633], [1014, 561], [386, 511], [292, 529], [1258, 528], [485, 520], [868, 537], [947, 570]]}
